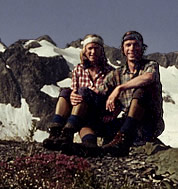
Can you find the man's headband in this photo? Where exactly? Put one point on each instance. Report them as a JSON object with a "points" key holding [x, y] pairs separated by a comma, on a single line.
{"points": [[133, 36], [92, 40]]}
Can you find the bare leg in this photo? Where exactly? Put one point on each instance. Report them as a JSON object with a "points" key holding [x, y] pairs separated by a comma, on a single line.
{"points": [[136, 111], [85, 131], [63, 108]]}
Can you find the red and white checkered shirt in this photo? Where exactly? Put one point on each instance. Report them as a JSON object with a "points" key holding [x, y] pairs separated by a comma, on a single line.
{"points": [[82, 78]]}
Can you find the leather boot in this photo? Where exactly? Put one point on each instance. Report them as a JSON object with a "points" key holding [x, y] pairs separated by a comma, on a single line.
{"points": [[88, 148], [81, 150], [118, 147], [74, 123], [54, 130], [123, 140], [119, 138], [67, 134]]}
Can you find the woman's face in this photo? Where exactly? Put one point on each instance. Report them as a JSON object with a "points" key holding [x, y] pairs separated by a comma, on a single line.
{"points": [[93, 52]]}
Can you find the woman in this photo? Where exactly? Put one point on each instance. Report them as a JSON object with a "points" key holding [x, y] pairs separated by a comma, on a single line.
{"points": [[78, 104]]}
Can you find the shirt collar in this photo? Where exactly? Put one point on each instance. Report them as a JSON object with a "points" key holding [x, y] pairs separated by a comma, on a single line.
{"points": [[126, 68]]}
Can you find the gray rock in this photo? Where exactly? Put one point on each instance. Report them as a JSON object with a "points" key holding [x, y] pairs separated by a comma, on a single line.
{"points": [[23, 74]]}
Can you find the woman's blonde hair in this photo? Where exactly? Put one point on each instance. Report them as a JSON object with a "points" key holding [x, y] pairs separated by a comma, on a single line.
{"points": [[102, 59]]}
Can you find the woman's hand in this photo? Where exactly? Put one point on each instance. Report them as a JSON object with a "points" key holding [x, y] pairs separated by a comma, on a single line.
{"points": [[110, 103], [95, 90], [75, 98]]}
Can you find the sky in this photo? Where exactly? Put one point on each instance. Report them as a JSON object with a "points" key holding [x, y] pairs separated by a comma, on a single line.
{"points": [[68, 20]]}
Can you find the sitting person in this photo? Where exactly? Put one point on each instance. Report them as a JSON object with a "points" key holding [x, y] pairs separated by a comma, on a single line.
{"points": [[136, 85], [71, 109]]}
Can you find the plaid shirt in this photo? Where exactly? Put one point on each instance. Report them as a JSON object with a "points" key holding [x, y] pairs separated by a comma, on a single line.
{"points": [[122, 75], [81, 77]]}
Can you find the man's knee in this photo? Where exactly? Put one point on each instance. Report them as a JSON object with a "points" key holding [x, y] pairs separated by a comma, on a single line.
{"points": [[138, 93], [143, 96]]}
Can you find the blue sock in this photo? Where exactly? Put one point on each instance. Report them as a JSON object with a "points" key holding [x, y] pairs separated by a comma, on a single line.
{"points": [[58, 119], [89, 138], [75, 120]]}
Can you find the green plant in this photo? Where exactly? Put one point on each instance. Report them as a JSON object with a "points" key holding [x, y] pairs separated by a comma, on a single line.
{"points": [[32, 130]]}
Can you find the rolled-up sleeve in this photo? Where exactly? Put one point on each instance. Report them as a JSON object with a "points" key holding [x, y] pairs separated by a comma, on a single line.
{"points": [[109, 83], [74, 84]]}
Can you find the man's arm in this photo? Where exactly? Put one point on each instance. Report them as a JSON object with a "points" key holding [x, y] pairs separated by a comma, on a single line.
{"points": [[139, 81]]}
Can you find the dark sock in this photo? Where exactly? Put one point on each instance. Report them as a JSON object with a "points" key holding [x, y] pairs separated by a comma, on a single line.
{"points": [[129, 126], [58, 119], [75, 120], [89, 139]]}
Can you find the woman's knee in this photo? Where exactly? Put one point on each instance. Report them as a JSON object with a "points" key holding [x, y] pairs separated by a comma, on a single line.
{"points": [[84, 91], [65, 93]]}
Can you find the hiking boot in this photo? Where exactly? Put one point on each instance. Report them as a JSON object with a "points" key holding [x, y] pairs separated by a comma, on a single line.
{"points": [[118, 139], [123, 140], [81, 150], [54, 130], [118, 147], [88, 147], [67, 134]]}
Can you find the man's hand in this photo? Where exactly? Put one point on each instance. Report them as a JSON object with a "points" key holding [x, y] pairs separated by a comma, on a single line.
{"points": [[110, 103], [75, 98], [111, 116]]}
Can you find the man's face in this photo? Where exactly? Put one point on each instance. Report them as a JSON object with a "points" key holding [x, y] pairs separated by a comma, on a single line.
{"points": [[93, 52], [132, 50]]}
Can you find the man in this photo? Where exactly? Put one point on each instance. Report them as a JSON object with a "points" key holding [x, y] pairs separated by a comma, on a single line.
{"points": [[136, 85]]}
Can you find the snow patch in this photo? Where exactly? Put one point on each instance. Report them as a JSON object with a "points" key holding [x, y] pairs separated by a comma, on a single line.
{"points": [[65, 83], [15, 122], [46, 49], [51, 90], [2, 47]]}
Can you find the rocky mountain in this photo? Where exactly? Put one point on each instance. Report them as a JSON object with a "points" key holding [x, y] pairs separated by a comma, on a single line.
{"points": [[165, 60], [23, 74]]}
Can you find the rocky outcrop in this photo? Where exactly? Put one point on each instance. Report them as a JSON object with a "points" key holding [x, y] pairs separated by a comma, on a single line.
{"points": [[2, 46], [23, 74], [76, 44], [165, 60]]}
